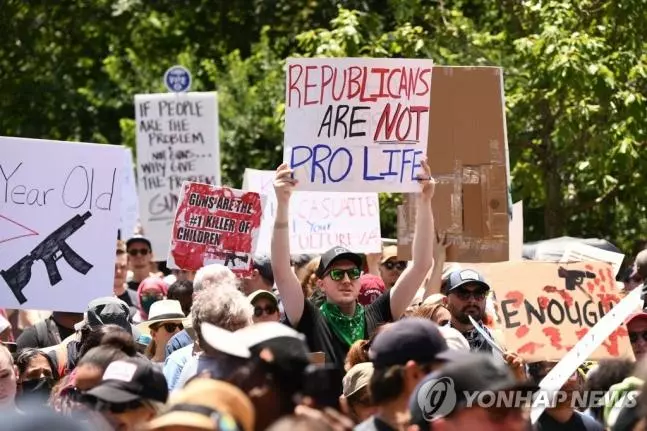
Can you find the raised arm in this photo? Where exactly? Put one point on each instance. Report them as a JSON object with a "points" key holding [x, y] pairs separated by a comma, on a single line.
{"points": [[440, 256], [285, 279], [422, 249]]}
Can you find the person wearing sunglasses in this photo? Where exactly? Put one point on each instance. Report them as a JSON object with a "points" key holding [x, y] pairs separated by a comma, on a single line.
{"points": [[266, 306], [140, 256], [164, 321], [390, 267], [637, 328], [466, 297], [336, 324]]}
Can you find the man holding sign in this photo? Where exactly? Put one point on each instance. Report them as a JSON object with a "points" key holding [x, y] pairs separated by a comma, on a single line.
{"points": [[340, 321]]}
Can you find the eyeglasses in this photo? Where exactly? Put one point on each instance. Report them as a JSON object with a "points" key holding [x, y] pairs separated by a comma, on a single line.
{"points": [[269, 310], [169, 327], [390, 264], [464, 294], [140, 251], [338, 274], [633, 336]]}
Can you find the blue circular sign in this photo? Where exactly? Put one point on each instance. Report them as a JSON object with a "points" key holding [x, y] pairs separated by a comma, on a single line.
{"points": [[177, 79]]}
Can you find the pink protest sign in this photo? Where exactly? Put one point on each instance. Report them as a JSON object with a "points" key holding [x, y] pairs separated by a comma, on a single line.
{"points": [[215, 225]]}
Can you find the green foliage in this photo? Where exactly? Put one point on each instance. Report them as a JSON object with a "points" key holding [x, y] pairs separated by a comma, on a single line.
{"points": [[575, 77]]}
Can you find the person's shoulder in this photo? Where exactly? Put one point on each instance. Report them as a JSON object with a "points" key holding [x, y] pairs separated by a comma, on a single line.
{"points": [[589, 423], [181, 355]]}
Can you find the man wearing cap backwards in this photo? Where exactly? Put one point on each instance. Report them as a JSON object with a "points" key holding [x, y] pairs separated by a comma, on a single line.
{"points": [[341, 321]]}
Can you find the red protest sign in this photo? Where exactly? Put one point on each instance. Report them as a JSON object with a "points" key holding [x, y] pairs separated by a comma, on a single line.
{"points": [[215, 225]]}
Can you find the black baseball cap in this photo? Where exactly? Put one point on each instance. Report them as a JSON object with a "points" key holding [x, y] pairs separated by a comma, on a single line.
{"points": [[409, 339], [336, 254], [139, 238], [467, 372], [264, 267], [130, 380], [463, 277]]}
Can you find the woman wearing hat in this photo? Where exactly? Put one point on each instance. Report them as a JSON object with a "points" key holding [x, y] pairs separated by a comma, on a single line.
{"points": [[164, 321]]}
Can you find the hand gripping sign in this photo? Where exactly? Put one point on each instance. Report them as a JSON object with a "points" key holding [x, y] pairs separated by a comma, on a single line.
{"points": [[215, 225]]}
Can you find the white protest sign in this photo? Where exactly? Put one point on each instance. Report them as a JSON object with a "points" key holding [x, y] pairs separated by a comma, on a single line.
{"points": [[579, 252], [177, 141], [565, 368], [357, 124], [318, 220], [129, 202], [59, 215]]}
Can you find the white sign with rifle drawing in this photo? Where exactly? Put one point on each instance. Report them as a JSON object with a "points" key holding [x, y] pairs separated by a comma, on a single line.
{"points": [[59, 215]]}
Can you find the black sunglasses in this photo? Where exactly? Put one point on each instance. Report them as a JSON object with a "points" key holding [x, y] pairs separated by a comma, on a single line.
{"points": [[464, 294], [140, 251], [169, 327], [390, 264], [633, 336], [269, 310]]}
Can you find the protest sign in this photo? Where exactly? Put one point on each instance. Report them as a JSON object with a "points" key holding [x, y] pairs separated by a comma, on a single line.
{"points": [[59, 216], [177, 141], [579, 252], [129, 204], [516, 232], [357, 124], [215, 225], [546, 307], [468, 157], [319, 220]]}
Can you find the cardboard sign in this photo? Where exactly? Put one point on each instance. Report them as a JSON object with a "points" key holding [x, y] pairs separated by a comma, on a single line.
{"points": [[468, 156], [545, 308], [59, 216], [357, 124], [129, 203], [215, 225], [177, 141], [516, 232], [318, 220]]}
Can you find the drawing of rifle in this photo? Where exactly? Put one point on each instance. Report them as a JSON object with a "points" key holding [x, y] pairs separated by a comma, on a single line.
{"points": [[18, 276], [574, 278], [233, 257]]}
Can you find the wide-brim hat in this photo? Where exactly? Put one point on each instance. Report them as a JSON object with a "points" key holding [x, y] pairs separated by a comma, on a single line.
{"points": [[165, 310]]}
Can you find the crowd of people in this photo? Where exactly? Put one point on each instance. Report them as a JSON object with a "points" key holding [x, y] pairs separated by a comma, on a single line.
{"points": [[332, 342]]}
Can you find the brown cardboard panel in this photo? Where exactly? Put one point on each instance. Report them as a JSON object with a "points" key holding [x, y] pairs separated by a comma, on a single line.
{"points": [[467, 156]]}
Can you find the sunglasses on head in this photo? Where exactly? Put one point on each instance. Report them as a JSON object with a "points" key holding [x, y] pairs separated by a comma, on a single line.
{"points": [[269, 310], [136, 251], [633, 336], [391, 264], [464, 294], [169, 327], [338, 274]]}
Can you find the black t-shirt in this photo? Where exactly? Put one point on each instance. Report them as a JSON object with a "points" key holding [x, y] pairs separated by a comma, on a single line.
{"points": [[130, 297], [577, 422], [133, 285], [29, 337], [321, 337]]}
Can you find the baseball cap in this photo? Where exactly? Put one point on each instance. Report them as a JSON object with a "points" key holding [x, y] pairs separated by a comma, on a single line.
{"points": [[209, 405], [264, 267], [389, 252], [454, 339], [467, 372], [336, 254], [263, 293], [358, 377], [130, 380], [462, 277], [371, 287], [139, 238], [105, 311], [640, 315], [409, 339]]}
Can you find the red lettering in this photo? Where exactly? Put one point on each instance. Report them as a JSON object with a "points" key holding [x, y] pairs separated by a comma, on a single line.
{"points": [[292, 85], [387, 122], [325, 80], [413, 80], [424, 81], [393, 94], [399, 136], [362, 95], [418, 110], [353, 80], [308, 85], [382, 72], [335, 97], [403, 83]]}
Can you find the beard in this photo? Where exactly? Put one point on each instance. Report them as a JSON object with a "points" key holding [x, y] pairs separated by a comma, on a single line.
{"points": [[463, 314]]}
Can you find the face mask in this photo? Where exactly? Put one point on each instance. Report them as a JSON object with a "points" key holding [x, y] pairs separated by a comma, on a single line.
{"points": [[34, 391], [147, 301]]}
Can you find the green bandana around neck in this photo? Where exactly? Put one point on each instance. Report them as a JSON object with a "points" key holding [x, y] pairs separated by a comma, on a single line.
{"points": [[348, 328]]}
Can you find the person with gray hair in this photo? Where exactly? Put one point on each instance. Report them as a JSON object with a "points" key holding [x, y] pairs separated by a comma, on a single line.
{"points": [[211, 276], [225, 307]]}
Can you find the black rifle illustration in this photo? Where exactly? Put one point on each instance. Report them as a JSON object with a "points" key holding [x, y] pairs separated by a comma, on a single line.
{"points": [[18, 276], [574, 278], [233, 257]]}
